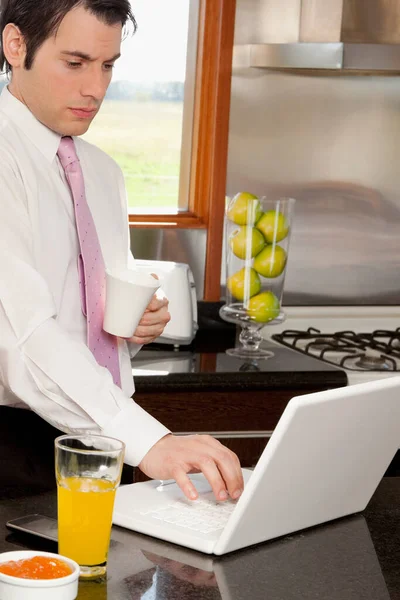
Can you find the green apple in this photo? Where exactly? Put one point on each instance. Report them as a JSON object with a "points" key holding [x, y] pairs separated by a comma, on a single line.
{"points": [[244, 284], [263, 307], [273, 225], [271, 261], [246, 242], [244, 209]]}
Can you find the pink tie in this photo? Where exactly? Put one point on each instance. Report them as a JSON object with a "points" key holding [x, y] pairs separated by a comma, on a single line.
{"points": [[92, 278]]}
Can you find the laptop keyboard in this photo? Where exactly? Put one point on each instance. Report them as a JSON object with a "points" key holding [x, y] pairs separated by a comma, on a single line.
{"points": [[204, 515]]}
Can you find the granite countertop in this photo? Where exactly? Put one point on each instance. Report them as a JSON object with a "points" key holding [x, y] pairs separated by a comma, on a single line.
{"points": [[357, 557], [205, 364]]}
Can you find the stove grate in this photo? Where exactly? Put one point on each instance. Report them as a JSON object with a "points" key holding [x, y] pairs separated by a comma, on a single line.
{"points": [[376, 351]]}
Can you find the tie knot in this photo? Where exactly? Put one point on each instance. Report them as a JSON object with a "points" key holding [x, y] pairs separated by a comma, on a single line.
{"points": [[67, 152]]}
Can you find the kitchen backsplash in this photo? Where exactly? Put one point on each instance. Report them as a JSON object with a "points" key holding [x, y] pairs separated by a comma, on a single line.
{"points": [[333, 143]]}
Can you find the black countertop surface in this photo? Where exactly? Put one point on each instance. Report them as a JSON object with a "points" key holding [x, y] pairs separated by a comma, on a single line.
{"points": [[355, 558], [162, 369], [204, 363]]}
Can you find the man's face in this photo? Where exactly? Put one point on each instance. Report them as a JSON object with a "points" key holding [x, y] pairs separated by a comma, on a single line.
{"points": [[63, 89]]}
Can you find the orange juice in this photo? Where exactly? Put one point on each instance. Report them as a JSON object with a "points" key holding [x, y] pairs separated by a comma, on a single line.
{"points": [[85, 508]]}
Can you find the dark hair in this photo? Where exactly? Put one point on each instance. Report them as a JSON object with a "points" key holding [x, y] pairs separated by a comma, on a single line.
{"points": [[39, 19]]}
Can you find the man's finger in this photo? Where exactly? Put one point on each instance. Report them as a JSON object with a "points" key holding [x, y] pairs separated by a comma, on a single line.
{"points": [[159, 317], [186, 485], [156, 304], [149, 330], [228, 465], [142, 341], [209, 468], [232, 478]]}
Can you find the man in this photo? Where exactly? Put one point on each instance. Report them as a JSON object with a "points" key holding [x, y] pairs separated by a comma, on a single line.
{"points": [[59, 55]]}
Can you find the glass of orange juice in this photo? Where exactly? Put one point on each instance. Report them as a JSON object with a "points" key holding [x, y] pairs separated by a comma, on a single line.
{"points": [[88, 472]]}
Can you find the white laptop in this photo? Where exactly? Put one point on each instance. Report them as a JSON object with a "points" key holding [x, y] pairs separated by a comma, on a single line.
{"points": [[324, 460]]}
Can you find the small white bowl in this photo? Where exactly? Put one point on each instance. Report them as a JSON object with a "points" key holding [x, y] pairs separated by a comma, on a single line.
{"points": [[17, 588]]}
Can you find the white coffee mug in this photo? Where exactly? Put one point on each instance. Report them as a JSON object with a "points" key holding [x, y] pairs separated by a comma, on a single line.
{"points": [[128, 293]]}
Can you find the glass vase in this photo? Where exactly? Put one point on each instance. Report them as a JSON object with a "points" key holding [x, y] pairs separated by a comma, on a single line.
{"points": [[257, 234]]}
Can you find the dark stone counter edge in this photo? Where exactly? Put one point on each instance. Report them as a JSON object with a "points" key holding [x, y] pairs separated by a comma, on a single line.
{"points": [[236, 381]]}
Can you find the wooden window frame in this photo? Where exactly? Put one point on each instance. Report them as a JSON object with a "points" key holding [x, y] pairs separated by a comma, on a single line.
{"points": [[209, 141]]}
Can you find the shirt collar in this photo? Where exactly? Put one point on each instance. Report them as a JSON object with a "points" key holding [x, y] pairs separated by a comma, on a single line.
{"points": [[46, 140]]}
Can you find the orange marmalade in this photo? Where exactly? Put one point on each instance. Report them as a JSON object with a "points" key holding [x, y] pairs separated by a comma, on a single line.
{"points": [[37, 567]]}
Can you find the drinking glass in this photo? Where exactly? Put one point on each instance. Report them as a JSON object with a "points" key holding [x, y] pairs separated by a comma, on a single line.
{"points": [[88, 472], [257, 233]]}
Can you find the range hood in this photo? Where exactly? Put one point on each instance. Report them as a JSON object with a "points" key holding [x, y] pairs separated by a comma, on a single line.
{"points": [[343, 36], [351, 58]]}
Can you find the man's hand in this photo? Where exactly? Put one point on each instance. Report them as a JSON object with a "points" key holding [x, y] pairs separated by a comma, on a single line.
{"points": [[173, 457], [153, 322]]}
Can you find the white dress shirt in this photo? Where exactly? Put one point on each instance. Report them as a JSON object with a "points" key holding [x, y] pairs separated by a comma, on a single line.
{"points": [[45, 364]]}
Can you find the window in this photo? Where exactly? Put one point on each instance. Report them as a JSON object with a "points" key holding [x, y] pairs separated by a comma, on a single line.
{"points": [[146, 120], [204, 126], [205, 139]]}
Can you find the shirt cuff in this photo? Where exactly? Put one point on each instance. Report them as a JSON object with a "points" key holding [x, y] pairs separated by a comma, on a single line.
{"points": [[138, 430], [134, 349]]}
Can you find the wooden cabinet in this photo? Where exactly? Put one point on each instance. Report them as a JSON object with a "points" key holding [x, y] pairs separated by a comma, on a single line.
{"points": [[242, 420]]}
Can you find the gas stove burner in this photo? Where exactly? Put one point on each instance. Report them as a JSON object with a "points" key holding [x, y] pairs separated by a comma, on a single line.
{"points": [[325, 342], [395, 343], [373, 362]]}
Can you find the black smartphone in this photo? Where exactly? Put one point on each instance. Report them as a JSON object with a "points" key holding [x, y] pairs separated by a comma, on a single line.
{"points": [[40, 525]]}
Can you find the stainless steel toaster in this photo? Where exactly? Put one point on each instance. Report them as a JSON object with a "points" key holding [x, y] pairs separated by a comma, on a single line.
{"points": [[178, 285]]}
